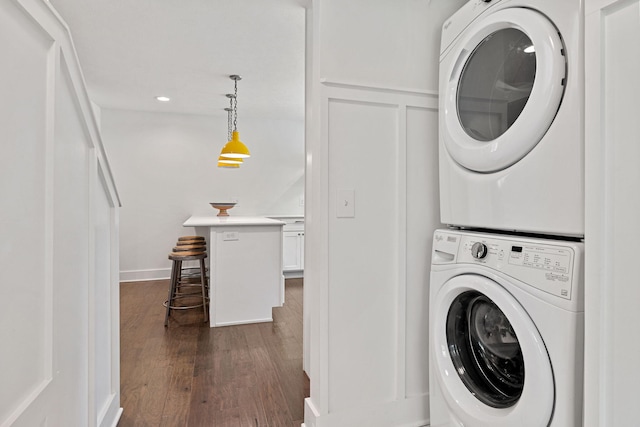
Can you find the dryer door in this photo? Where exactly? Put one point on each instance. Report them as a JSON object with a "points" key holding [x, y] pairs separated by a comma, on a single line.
{"points": [[502, 89], [491, 362]]}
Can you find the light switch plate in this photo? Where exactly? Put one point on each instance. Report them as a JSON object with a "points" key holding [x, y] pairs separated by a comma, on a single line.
{"points": [[346, 204]]}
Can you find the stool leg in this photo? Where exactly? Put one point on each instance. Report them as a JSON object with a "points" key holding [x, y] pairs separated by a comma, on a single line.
{"points": [[178, 277], [172, 290], [203, 283]]}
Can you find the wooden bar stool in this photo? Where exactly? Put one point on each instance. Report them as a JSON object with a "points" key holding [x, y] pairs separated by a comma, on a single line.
{"points": [[177, 285], [190, 248], [186, 238], [190, 274], [190, 243]]}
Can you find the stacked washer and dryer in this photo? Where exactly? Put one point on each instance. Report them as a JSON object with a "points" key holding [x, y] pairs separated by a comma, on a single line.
{"points": [[506, 297]]}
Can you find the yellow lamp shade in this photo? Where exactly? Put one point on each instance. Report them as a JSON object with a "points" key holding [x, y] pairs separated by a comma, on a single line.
{"points": [[224, 159], [235, 148], [228, 165]]}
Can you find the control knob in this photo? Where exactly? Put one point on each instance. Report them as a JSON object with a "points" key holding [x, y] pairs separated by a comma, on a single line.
{"points": [[479, 250]]}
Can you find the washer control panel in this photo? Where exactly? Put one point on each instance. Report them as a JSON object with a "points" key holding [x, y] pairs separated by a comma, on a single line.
{"points": [[545, 265]]}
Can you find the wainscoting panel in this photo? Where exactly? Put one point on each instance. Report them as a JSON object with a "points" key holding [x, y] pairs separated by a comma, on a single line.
{"points": [[104, 296], [59, 362], [25, 226], [381, 207], [72, 253], [612, 37], [363, 309], [423, 216]]}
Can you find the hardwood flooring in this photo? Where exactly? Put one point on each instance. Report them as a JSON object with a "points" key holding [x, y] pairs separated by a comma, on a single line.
{"points": [[192, 375]]}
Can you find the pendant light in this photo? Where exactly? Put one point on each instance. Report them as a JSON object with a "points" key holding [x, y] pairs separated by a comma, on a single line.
{"points": [[234, 148], [228, 162], [228, 165]]}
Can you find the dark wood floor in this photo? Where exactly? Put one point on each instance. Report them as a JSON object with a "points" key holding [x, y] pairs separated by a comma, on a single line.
{"points": [[191, 375]]}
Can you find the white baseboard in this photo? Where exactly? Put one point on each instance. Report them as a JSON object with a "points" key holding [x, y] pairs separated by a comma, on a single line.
{"points": [[298, 274], [165, 273], [407, 412], [111, 413], [311, 414], [244, 322], [141, 275], [116, 418]]}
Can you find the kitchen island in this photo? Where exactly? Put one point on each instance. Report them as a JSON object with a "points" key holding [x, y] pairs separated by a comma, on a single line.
{"points": [[245, 267]]}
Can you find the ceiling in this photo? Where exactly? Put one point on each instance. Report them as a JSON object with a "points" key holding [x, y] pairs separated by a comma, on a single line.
{"points": [[132, 51]]}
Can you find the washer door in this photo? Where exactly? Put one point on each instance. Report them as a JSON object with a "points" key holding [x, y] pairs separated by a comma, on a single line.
{"points": [[491, 363], [502, 90]]}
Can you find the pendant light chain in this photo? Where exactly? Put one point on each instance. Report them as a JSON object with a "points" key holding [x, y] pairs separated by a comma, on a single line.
{"points": [[229, 110], [235, 106]]}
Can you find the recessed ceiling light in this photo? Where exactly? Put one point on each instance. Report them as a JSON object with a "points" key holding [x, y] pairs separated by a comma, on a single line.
{"points": [[163, 98]]}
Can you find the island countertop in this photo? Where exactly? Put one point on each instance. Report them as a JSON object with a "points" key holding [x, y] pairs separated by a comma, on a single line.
{"points": [[222, 221]]}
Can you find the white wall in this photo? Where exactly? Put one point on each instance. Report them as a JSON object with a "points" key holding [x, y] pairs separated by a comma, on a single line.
{"points": [[383, 44], [166, 170], [612, 294], [59, 362], [374, 130]]}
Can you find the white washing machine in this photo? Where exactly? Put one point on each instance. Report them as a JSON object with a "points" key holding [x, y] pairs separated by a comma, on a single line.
{"points": [[506, 331], [511, 116]]}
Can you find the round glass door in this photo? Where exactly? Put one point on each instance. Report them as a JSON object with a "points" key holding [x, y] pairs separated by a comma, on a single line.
{"points": [[485, 350], [489, 360], [503, 85], [495, 84]]}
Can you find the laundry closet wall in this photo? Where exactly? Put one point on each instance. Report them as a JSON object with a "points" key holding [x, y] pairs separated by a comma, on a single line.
{"points": [[372, 132], [59, 323], [612, 201]]}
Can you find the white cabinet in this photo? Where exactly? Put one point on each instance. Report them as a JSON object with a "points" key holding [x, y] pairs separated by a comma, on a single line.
{"points": [[293, 247], [245, 267]]}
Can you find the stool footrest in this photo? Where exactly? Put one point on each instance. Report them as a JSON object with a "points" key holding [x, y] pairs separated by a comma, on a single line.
{"points": [[182, 307]]}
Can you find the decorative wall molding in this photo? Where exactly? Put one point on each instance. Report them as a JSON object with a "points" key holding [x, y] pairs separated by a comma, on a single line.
{"points": [[402, 103], [62, 34], [377, 88], [612, 206], [65, 205]]}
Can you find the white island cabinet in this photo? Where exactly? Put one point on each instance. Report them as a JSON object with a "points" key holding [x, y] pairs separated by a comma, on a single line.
{"points": [[245, 267], [292, 245], [293, 249]]}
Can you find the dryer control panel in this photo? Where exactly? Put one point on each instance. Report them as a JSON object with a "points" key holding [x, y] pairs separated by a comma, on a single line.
{"points": [[547, 265]]}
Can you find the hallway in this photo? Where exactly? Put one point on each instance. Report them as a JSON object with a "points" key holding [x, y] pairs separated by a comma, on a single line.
{"points": [[192, 375]]}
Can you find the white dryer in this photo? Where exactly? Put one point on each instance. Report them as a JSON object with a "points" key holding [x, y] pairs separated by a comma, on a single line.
{"points": [[511, 116], [506, 327]]}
